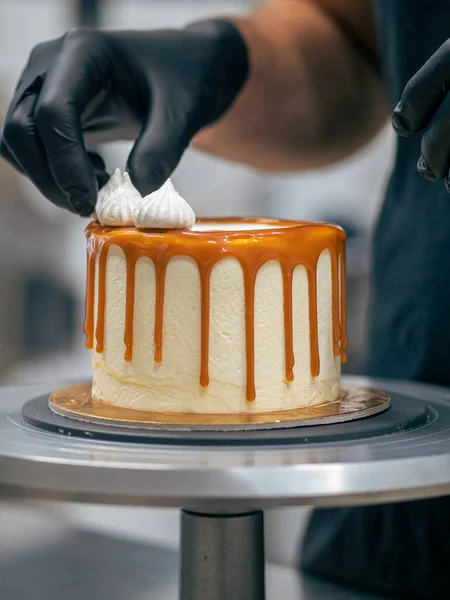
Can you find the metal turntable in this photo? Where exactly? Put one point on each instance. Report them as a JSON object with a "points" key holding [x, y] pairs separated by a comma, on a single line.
{"points": [[224, 480]]}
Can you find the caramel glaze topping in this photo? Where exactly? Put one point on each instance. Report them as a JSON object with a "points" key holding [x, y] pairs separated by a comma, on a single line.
{"points": [[291, 243]]}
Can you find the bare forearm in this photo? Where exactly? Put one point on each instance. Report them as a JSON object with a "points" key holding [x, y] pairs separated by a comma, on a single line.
{"points": [[313, 95]]}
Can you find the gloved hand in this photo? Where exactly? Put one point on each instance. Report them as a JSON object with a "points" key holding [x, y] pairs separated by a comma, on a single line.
{"points": [[92, 86], [425, 107]]}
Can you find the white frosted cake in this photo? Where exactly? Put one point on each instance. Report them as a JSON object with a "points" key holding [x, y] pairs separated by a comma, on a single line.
{"points": [[229, 316]]}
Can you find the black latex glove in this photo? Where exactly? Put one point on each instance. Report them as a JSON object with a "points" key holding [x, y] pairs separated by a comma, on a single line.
{"points": [[425, 107], [91, 86]]}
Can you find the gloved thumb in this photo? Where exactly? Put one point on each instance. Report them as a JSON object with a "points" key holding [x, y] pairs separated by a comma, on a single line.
{"points": [[98, 165], [163, 139]]}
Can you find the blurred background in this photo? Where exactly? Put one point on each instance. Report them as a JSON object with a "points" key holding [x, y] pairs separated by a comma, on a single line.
{"points": [[42, 255]]}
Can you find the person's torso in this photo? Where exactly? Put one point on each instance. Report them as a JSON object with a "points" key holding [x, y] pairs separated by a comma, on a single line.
{"points": [[410, 328]]}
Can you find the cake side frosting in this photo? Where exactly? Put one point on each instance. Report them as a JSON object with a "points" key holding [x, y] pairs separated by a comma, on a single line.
{"points": [[209, 321]]}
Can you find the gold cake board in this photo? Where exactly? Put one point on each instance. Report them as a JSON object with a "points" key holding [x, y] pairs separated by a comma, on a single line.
{"points": [[76, 402]]}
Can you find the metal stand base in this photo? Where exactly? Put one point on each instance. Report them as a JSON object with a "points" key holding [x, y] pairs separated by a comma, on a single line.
{"points": [[400, 454], [222, 556]]}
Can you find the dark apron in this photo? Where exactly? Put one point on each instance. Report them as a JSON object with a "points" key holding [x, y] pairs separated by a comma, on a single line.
{"points": [[402, 549]]}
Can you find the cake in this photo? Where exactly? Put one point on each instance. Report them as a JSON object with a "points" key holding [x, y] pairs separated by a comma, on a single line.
{"points": [[230, 316]]}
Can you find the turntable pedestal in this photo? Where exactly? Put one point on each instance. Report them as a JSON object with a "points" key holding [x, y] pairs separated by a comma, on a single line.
{"points": [[224, 480]]}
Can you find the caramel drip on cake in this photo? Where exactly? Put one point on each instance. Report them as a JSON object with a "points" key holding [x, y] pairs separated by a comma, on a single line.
{"points": [[205, 277], [129, 309], [342, 305], [313, 320], [90, 294], [250, 271], [292, 244], [160, 275], [335, 307], [287, 273], [100, 329]]}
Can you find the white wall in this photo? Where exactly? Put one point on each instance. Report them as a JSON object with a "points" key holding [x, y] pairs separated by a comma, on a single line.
{"points": [[25, 23]]}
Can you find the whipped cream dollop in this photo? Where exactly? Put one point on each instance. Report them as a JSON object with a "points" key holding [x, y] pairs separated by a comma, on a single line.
{"points": [[117, 201], [164, 209]]}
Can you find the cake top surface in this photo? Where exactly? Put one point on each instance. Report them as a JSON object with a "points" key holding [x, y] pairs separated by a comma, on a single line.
{"points": [[208, 225], [223, 229]]}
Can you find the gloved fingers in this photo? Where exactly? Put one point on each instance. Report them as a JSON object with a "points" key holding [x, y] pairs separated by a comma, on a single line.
{"points": [[161, 143], [70, 84], [18, 117], [4, 151], [33, 162], [423, 93], [20, 144], [98, 164], [33, 75], [23, 148], [447, 182], [42, 134], [434, 162]]}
